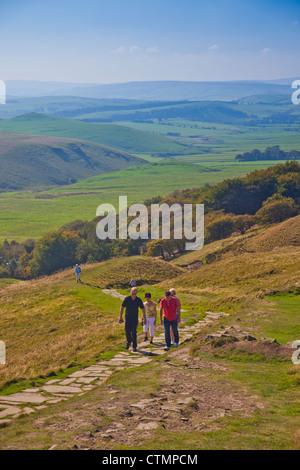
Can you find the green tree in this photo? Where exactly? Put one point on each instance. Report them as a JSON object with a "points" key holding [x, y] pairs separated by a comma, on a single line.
{"points": [[54, 251], [160, 247]]}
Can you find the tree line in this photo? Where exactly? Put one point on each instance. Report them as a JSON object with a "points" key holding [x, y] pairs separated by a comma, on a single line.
{"points": [[270, 153]]}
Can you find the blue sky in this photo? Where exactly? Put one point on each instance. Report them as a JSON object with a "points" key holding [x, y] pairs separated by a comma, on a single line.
{"points": [[126, 40]]}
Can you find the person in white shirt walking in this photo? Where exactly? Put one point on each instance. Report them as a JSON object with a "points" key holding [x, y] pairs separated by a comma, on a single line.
{"points": [[151, 313]]}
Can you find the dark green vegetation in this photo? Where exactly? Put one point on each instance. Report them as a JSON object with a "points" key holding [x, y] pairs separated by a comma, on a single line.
{"points": [[38, 162], [271, 153], [246, 195]]}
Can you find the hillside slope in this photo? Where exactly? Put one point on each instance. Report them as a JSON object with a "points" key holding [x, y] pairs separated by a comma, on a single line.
{"points": [[111, 135], [205, 111], [228, 378], [239, 268], [39, 162], [65, 320], [285, 234]]}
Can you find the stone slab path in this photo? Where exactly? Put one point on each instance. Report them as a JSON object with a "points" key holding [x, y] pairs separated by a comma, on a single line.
{"points": [[77, 383]]}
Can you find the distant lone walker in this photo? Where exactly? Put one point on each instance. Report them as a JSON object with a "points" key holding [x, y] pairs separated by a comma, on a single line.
{"points": [[77, 273]]}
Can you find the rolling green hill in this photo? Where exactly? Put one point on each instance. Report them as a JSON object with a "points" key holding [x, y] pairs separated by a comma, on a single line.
{"points": [[122, 110], [72, 106], [111, 135], [39, 162], [206, 111]]}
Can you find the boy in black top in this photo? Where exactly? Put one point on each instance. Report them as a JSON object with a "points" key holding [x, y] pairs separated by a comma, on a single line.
{"points": [[132, 303]]}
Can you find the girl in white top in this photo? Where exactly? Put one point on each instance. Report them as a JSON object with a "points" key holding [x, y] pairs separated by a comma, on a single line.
{"points": [[151, 313]]}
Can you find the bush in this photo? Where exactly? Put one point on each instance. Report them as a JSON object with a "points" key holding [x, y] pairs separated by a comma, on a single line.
{"points": [[276, 209], [219, 229], [242, 223]]}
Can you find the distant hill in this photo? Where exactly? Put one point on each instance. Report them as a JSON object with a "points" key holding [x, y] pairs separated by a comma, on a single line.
{"points": [[266, 99], [39, 162], [254, 109], [40, 88], [175, 90], [72, 107], [111, 135], [154, 90], [205, 111]]}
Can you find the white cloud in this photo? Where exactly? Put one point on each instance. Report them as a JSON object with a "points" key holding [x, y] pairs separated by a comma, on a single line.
{"points": [[214, 47], [119, 50], [265, 50], [134, 50], [152, 50]]}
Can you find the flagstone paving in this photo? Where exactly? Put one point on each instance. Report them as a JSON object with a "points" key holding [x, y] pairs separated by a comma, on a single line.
{"points": [[55, 390]]}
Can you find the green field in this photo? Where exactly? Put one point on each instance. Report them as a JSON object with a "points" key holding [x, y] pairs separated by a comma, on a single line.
{"points": [[32, 214], [219, 142], [111, 135]]}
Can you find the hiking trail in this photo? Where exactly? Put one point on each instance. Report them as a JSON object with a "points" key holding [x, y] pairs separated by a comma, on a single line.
{"points": [[77, 383]]}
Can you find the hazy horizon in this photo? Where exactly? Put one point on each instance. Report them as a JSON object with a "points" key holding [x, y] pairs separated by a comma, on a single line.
{"points": [[272, 79]]}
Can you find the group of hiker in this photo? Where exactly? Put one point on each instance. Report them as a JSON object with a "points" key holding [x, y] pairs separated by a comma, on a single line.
{"points": [[169, 313]]}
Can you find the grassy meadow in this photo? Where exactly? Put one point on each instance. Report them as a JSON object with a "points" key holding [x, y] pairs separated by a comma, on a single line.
{"points": [[220, 143], [30, 214], [111, 135], [52, 324]]}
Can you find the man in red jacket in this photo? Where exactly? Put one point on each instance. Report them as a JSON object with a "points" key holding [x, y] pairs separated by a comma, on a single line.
{"points": [[168, 308]]}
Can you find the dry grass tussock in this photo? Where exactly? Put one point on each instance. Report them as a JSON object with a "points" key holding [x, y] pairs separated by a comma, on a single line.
{"points": [[285, 234]]}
